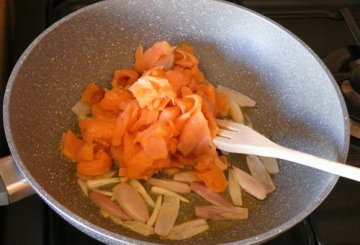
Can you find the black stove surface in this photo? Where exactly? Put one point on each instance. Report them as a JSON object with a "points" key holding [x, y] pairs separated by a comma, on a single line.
{"points": [[319, 25]]}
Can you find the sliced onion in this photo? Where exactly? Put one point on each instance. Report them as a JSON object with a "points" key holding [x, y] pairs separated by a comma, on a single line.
{"points": [[124, 179], [259, 172], [82, 110], [240, 99], [188, 229], [105, 193], [234, 189], [187, 176], [248, 121], [170, 185], [108, 174], [109, 206], [219, 213], [94, 183], [250, 184], [117, 220], [83, 177], [270, 164], [140, 228], [140, 188], [104, 213], [167, 215], [131, 201], [162, 191], [83, 186], [151, 221], [209, 195], [236, 113]]}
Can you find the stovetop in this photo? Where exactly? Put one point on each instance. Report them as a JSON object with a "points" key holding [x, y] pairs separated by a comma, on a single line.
{"points": [[318, 23]]}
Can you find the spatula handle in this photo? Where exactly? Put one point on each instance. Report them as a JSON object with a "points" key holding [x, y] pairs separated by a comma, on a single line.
{"points": [[336, 168]]}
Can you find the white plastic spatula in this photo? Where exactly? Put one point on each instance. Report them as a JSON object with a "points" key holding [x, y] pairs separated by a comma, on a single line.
{"points": [[238, 138]]}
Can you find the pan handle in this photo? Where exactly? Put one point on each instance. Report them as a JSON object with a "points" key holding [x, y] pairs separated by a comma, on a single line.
{"points": [[13, 185]]}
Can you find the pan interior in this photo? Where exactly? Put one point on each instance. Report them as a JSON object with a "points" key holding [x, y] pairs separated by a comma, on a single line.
{"points": [[297, 103]]}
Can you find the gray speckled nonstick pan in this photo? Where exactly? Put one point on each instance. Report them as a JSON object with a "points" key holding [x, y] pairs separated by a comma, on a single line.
{"points": [[298, 103]]}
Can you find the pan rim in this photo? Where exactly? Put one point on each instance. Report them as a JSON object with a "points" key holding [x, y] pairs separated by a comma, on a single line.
{"points": [[107, 236]]}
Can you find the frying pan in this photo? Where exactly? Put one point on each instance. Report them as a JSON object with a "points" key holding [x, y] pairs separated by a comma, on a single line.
{"points": [[298, 103]]}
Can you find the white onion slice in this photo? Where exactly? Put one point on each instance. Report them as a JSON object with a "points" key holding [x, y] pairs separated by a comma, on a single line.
{"points": [[187, 176], [221, 213], [259, 172], [209, 195], [188, 229], [236, 113], [104, 213], [140, 228], [270, 164], [168, 213], [170, 185], [151, 221], [82, 110], [240, 98], [248, 121], [108, 174], [94, 183], [234, 189], [250, 184], [83, 186], [117, 220], [131, 202], [105, 193], [109, 206], [140, 188], [162, 191]]}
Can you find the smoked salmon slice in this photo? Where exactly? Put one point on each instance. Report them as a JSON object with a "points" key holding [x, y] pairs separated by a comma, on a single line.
{"points": [[157, 116], [154, 125]]}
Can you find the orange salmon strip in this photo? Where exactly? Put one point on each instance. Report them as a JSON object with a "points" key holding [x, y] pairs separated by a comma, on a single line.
{"points": [[158, 116]]}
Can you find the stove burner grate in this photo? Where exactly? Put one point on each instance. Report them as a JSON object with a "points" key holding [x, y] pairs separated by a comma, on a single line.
{"points": [[344, 63]]}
